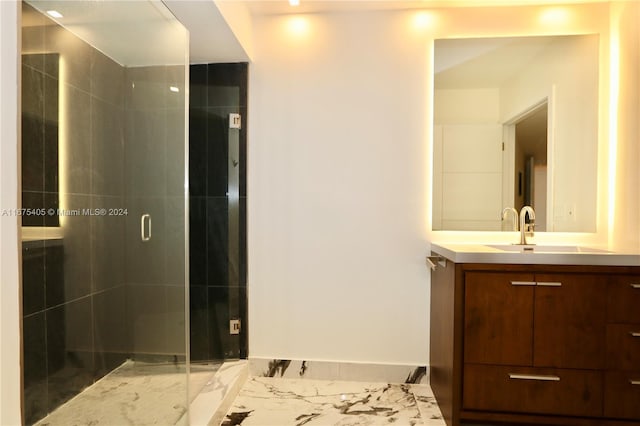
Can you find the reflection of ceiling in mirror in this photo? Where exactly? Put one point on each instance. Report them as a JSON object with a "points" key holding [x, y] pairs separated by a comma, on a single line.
{"points": [[483, 62]]}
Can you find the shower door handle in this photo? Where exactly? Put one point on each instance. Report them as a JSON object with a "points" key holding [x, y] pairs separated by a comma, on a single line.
{"points": [[145, 231]]}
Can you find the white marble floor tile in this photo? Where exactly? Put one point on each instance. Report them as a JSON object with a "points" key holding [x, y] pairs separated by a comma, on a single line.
{"points": [[428, 406], [268, 401], [135, 394]]}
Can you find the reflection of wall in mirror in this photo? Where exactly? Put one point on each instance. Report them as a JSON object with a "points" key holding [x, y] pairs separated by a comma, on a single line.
{"points": [[569, 65]]}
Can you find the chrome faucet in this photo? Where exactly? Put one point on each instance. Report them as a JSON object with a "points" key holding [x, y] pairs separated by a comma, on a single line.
{"points": [[523, 225], [508, 210]]}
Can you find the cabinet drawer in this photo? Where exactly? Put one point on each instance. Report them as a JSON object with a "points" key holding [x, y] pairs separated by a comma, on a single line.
{"points": [[623, 346], [624, 299], [622, 395], [498, 318], [532, 390], [570, 321]]}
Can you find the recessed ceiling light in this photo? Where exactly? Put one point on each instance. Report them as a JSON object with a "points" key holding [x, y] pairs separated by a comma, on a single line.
{"points": [[54, 14], [294, 2], [174, 89], [554, 16]]}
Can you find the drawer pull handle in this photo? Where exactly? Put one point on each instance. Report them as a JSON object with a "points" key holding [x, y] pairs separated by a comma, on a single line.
{"points": [[534, 377], [523, 283], [434, 261], [634, 333], [635, 286], [549, 284], [635, 382]]}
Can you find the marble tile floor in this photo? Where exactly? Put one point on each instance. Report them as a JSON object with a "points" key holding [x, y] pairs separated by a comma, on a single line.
{"points": [[145, 394], [135, 394], [266, 401]]}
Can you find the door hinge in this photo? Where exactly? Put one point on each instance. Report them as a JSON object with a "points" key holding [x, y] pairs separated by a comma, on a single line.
{"points": [[234, 326], [235, 121]]}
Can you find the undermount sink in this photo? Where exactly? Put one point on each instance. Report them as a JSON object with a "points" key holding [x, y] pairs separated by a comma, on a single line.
{"points": [[534, 248]]}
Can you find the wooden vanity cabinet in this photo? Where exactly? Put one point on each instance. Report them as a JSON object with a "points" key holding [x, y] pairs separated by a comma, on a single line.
{"points": [[536, 344], [622, 373], [498, 318]]}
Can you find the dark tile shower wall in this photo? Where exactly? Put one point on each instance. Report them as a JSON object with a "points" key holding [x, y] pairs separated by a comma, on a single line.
{"points": [[217, 274]]}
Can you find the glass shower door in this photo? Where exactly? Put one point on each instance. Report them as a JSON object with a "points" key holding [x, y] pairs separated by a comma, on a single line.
{"points": [[218, 266], [104, 288]]}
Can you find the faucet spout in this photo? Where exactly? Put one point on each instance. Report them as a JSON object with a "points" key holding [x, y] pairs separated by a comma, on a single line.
{"points": [[513, 211], [526, 210]]}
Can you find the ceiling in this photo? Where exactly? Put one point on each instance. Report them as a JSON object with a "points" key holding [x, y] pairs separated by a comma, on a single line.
{"points": [[271, 7], [210, 36]]}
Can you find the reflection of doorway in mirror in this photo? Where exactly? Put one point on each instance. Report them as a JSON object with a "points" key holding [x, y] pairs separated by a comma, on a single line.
{"points": [[530, 162]]}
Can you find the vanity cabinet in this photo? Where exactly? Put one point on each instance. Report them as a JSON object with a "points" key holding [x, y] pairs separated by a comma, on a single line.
{"points": [[536, 344], [622, 373], [541, 320]]}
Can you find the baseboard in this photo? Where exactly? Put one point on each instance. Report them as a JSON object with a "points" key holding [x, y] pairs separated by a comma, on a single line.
{"points": [[329, 370]]}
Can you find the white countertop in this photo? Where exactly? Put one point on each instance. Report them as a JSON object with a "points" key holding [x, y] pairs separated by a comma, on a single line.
{"points": [[547, 255]]}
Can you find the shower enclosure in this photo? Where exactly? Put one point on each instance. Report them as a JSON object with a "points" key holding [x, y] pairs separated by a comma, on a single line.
{"points": [[104, 184], [217, 211]]}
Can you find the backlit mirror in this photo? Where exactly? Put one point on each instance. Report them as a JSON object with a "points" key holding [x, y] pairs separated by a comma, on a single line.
{"points": [[515, 123]]}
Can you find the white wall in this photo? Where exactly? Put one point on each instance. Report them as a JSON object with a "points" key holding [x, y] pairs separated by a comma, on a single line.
{"points": [[340, 133], [338, 154], [626, 225], [10, 389]]}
